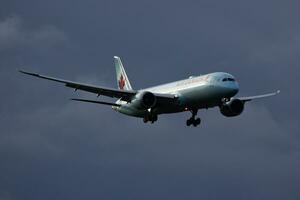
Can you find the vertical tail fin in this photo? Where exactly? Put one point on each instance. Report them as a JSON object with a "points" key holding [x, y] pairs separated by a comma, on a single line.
{"points": [[122, 79]]}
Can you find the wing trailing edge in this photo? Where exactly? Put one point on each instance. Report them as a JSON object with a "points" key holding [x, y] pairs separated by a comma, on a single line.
{"points": [[97, 102]]}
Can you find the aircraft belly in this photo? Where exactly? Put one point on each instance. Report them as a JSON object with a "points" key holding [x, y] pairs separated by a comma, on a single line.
{"points": [[127, 109], [169, 108], [160, 108], [201, 97]]}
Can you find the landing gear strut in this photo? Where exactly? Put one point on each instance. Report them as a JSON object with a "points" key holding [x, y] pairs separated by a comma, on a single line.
{"points": [[150, 118], [193, 120]]}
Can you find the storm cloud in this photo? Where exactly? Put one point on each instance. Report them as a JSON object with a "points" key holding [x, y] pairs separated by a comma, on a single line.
{"points": [[52, 148]]}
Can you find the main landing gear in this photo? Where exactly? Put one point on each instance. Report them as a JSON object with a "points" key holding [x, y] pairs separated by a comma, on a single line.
{"points": [[150, 118], [193, 120]]}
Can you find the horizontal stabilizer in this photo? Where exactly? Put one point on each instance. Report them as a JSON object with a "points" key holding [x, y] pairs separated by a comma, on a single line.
{"points": [[98, 102]]}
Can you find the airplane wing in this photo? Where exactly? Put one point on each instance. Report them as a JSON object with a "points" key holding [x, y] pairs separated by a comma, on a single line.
{"points": [[259, 96], [126, 95]]}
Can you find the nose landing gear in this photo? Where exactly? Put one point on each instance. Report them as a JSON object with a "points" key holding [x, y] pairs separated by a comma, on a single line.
{"points": [[193, 120]]}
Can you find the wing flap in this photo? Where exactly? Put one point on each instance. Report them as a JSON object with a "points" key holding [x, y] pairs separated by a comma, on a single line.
{"points": [[97, 102]]}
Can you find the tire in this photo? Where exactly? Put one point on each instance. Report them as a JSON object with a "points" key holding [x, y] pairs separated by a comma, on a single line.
{"points": [[188, 122], [195, 123], [198, 121]]}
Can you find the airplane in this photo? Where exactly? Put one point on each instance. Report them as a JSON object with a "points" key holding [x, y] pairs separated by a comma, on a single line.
{"points": [[197, 92]]}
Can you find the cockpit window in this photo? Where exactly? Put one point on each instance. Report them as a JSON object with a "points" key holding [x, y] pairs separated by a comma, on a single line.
{"points": [[228, 79]]}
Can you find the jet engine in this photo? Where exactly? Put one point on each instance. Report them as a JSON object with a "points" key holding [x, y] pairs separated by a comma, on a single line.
{"points": [[144, 100], [232, 108]]}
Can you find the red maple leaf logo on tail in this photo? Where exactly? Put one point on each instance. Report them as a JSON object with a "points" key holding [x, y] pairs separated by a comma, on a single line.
{"points": [[121, 82]]}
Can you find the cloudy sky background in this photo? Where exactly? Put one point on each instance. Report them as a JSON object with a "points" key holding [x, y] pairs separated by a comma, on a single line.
{"points": [[52, 148]]}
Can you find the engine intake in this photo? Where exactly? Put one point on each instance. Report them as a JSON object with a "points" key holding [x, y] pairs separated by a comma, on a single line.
{"points": [[232, 108], [145, 100]]}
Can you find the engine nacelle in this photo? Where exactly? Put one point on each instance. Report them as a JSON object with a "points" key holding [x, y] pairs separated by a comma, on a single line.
{"points": [[144, 100], [232, 108]]}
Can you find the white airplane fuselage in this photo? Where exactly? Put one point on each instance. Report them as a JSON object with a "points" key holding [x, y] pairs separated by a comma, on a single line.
{"points": [[197, 92]]}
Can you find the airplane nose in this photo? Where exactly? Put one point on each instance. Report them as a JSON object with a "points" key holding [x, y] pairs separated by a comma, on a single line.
{"points": [[233, 89]]}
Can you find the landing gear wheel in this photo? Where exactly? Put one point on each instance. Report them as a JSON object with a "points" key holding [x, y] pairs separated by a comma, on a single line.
{"points": [[192, 120], [198, 121], [188, 122], [151, 119]]}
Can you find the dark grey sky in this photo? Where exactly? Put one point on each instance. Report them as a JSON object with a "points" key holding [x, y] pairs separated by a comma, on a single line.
{"points": [[51, 148]]}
